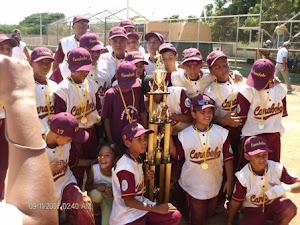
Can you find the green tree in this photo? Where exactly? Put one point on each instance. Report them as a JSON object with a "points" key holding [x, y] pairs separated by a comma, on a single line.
{"points": [[272, 10], [192, 19], [31, 24], [172, 19]]}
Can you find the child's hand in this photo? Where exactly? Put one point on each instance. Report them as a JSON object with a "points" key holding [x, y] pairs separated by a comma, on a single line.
{"points": [[228, 187], [102, 89], [232, 120], [150, 174], [108, 192], [164, 111], [59, 166], [165, 208], [276, 80], [236, 76], [101, 187]]}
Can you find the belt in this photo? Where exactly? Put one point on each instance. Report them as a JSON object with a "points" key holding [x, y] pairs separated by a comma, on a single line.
{"points": [[279, 63]]}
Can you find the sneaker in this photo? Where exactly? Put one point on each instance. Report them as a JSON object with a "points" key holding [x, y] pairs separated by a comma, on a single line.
{"points": [[290, 90]]}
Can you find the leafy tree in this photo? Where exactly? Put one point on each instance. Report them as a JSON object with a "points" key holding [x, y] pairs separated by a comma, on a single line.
{"points": [[172, 19], [192, 19], [31, 24], [225, 29]]}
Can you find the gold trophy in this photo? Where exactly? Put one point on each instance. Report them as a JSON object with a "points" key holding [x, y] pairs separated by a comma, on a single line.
{"points": [[159, 74]]}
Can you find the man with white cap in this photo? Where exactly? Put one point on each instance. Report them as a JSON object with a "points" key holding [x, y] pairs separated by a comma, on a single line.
{"points": [[281, 65]]}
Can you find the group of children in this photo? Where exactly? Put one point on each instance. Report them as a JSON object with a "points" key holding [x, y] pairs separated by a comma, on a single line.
{"points": [[222, 121]]}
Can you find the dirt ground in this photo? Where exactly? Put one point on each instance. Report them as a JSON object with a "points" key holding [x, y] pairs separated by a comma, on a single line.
{"points": [[290, 155]]}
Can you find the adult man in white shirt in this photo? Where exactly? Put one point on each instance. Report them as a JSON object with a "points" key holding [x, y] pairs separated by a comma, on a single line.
{"points": [[80, 27], [281, 65], [20, 51]]}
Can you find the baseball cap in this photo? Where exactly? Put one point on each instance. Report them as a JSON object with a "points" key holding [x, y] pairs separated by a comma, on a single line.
{"points": [[16, 31], [135, 57], [65, 124], [213, 56], [117, 32], [262, 71], [40, 53], [255, 144], [201, 102], [79, 59], [167, 46], [191, 54], [286, 43], [155, 34], [79, 18], [90, 41], [133, 35], [126, 23], [11, 41], [133, 130], [126, 75]]}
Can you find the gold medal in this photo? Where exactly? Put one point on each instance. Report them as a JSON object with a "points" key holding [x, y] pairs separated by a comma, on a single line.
{"points": [[83, 120], [261, 126], [204, 166]]}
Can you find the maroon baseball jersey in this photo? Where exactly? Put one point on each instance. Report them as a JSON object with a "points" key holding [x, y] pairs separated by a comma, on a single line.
{"points": [[114, 109]]}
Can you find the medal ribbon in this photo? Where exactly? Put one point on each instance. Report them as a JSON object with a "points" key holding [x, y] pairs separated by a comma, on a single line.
{"points": [[95, 73], [206, 142], [200, 84], [47, 99], [231, 100], [264, 188], [263, 110], [79, 99], [59, 147], [124, 103], [141, 175]]}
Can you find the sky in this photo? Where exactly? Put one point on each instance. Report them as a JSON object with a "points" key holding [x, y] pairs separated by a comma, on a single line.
{"points": [[14, 12]]}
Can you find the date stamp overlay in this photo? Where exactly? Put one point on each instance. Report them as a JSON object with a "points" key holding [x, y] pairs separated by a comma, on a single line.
{"points": [[57, 206]]}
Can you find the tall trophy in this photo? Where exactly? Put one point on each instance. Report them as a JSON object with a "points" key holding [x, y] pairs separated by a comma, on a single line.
{"points": [[158, 158]]}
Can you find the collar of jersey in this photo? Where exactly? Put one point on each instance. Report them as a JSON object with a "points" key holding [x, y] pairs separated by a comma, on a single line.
{"points": [[196, 129], [127, 153]]}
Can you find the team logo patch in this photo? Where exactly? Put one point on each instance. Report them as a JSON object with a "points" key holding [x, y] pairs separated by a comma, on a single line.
{"points": [[124, 185], [187, 102]]}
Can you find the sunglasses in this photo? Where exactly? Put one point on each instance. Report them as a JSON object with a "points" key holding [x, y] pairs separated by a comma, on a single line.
{"points": [[203, 102]]}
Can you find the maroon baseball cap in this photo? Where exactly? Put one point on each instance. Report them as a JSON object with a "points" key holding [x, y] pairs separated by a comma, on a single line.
{"points": [[126, 75], [11, 41], [79, 18], [167, 46], [79, 59], [65, 124], [155, 34], [40, 53], [201, 102], [262, 71], [133, 130], [255, 144], [126, 23], [135, 57], [90, 41], [117, 32], [213, 56], [191, 54], [133, 35], [16, 31]]}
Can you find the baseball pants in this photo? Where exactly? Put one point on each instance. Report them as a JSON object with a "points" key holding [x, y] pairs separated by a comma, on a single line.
{"points": [[281, 211]]}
